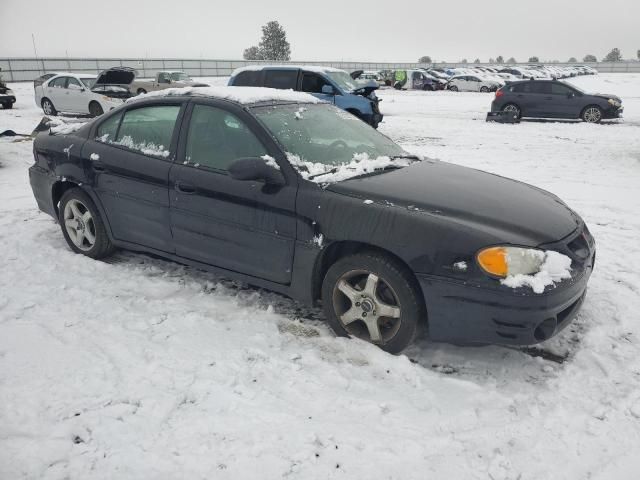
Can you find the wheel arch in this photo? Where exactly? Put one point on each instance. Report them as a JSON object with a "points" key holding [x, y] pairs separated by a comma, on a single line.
{"points": [[342, 248]]}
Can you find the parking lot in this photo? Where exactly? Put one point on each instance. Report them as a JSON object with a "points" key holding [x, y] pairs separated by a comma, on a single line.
{"points": [[139, 363]]}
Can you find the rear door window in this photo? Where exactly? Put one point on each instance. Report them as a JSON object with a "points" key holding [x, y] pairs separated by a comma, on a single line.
{"points": [[543, 88], [248, 78], [282, 79], [59, 82], [521, 88], [108, 129], [148, 130]]}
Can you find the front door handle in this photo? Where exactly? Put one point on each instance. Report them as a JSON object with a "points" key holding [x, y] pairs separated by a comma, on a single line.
{"points": [[184, 188]]}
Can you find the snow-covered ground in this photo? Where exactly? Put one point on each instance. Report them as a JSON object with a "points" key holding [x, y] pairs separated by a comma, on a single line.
{"points": [[139, 368]]}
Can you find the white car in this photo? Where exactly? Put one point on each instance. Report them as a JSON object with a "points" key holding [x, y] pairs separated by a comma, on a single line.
{"points": [[473, 83], [79, 93]]}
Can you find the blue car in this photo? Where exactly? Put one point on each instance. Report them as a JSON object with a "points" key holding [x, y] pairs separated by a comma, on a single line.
{"points": [[329, 84]]}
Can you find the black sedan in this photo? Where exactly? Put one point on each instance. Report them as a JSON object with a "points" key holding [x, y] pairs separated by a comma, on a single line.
{"points": [[555, 99], [288, 193]]}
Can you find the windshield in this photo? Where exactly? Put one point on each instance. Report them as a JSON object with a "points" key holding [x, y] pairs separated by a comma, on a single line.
{"points": [[344, 81], [179, 77], [88, 82], [321, 139]]}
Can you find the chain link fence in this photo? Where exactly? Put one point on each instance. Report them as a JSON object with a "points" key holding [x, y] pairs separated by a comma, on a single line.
{"points": [[27, 69]]}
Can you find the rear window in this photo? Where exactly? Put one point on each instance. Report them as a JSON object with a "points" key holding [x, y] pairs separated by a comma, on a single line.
{"points": [[249, 78], [148, 129], [282, 79]]}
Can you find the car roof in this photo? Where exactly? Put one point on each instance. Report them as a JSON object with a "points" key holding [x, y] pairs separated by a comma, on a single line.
{"points": [[239, 95], [73, 74], [310, 68]]}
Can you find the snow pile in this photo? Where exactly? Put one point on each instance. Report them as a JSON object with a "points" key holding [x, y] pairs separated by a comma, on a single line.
{"points": [[146, 148], [244, 95], [555, 268], [360, 164], [269, 160]]}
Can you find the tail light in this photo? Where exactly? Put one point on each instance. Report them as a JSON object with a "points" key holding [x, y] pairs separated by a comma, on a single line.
{"points": [[499, 93]]}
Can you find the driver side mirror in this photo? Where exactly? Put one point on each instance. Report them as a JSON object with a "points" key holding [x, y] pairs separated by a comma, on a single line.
{"points": [[328, 89], [253, 168]]}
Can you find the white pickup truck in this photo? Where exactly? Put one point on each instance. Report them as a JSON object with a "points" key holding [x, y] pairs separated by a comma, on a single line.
{"points": [[164, 79]]}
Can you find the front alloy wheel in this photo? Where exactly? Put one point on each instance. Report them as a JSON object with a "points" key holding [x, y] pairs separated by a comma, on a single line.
{"points": [[592, 114], [373, 297]]}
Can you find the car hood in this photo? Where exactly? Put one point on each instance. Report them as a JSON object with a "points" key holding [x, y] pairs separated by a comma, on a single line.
{"points": [[116, 76], [465, 195], [606, 96]]}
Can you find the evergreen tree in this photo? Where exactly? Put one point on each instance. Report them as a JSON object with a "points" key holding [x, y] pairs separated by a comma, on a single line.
{"points": [[477, 60], [534, 59], [273, 46], [613, 56], [499, 59], [252, 53]]}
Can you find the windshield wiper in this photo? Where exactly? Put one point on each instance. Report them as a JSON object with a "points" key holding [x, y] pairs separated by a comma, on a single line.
{"points": [[333, 170], [409, 157]]}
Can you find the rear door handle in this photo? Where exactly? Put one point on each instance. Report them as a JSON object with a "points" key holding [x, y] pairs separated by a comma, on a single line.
{"points": [[184, 188]]}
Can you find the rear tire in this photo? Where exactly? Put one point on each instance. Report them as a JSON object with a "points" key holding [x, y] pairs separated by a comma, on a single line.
{"points": [[373, 297], [7, 106], [512, 107], [484, 89], [95, 109], [48, 108], [82, 226], [453, 88], [592, 114]]}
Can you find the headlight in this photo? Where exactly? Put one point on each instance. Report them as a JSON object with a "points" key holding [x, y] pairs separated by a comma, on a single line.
{"points": [[613, 102], [504, 261]]}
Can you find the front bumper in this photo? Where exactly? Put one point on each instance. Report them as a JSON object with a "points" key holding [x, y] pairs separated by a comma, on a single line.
{"points": [[613, 112], [468, 314]]}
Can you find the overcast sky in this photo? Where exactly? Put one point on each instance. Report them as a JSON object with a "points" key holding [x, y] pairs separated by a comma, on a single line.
{"points": [[323, 30]]}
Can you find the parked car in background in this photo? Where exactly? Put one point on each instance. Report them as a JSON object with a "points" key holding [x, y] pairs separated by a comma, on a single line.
{"points": [[164, 79], [555, 99], [80, 94], [473, 83], [278, 190], [7, 97], [415, 80], [329, 84]]}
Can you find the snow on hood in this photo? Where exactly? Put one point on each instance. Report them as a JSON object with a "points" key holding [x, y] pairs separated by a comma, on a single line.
{"points": [[360, 164], [243, 95], [116, 76]]}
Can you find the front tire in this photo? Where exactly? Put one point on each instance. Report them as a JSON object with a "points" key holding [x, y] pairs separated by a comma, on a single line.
{"points": [[453, 88], [375, 298], [7, 106], [592, 114], [48, 108], [484, 89], [95, 109], [82, 226]]}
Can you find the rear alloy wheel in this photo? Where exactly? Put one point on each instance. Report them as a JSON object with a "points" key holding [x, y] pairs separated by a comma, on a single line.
{"points": [[372, 297], [453, 88], [48, 108], [95, 109], [511, 108], [484, 89], [82, 225], [592, 114]]}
